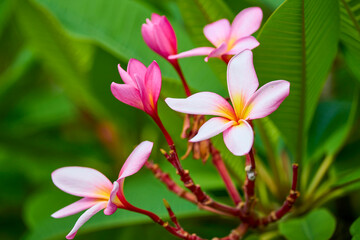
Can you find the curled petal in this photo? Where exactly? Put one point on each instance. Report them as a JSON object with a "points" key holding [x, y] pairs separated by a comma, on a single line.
{"points": [[85, 217], [239, 138], [136, 160], [242, 80], [246, 22], [201, 51], [126, 77], [217, 52], [75, 207], [136, 67], [243, 44], [203, 103], [217, 32], [148, 36], [267, 99], [127, 94], [151, 90], [82, 181], [169, 32], [211, 128], [113, 202]]}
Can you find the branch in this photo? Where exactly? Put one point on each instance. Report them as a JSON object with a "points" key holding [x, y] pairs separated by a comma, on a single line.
{"points": [[287, 205], [220, 166]]}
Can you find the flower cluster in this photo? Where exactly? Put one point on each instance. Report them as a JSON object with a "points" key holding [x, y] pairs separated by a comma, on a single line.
{"points": [[141, 89]]}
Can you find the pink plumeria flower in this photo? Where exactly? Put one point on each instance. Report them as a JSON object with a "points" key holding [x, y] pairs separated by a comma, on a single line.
{"points": [[159, 35], [247, 104], [229, 40], [142, 86], [96, 190]]}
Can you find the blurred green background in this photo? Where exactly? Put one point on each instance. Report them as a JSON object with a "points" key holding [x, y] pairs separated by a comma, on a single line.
{"points": [[59, 57]]}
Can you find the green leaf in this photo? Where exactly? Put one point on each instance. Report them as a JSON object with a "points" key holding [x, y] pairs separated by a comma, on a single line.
{"points": [[6, 8], [72, 59], [350, 34], [119, 32], [142, 190], [298, 44], [317, 225], [355, 227], [331, 126]]}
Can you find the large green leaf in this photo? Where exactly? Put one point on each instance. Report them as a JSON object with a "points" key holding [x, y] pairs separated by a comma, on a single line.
{"points": [[355, 228], [317, 225], [298, 43], [143, 191], [119, 31], [350, 33], [72, 59]]}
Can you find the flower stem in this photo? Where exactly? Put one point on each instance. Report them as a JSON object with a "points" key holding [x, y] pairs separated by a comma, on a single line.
{"points": [[220, 166], [181, 75]]}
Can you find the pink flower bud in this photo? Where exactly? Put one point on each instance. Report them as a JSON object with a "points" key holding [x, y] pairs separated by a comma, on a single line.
{"points": [[159, 35]]}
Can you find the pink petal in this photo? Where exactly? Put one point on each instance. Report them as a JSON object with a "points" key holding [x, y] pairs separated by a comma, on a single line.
{"points": [[126, 77], [82, 182], [169, 32], [155, 18], [242, 80], [152, 85], [217, 52], [211, 128], [203, 103], [147, 31], [163, 42], [267, 99], [246, 22], [111, 206], [193, 52], [239, 138], [242, 44], [75, 207], [136, 67], [127, 94], [217, 32], [85, 217], [136, 160]]}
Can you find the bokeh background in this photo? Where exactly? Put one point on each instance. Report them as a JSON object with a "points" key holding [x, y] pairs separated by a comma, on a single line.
{"points": [[57, 61]]}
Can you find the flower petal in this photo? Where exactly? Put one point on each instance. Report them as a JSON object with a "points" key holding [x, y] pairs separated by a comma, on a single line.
{"points": [[239, 138], [267, 99], [211, 128], [85, 217], [127, 79], [242, 80], [242, 44], [136, 160], [193, 52], [112, 206], [151, 92], [169, 32], [246, 23], [203, 103], [217, 32], [147, 31], [136, 67], [127, 94], [217, 52], [82, 181], [75, 207]]}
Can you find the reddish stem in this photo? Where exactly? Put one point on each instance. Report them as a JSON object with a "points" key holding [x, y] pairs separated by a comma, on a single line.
{"points": [[287, 205], [181, 75], [249, 186], [226, 58], [220, 166], [163, 129]]}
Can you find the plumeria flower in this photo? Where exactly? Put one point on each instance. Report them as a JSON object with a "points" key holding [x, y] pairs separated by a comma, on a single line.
{"points": [[248, 103], [229, 40], [96, 190], [142, 86], [159, 35]]}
